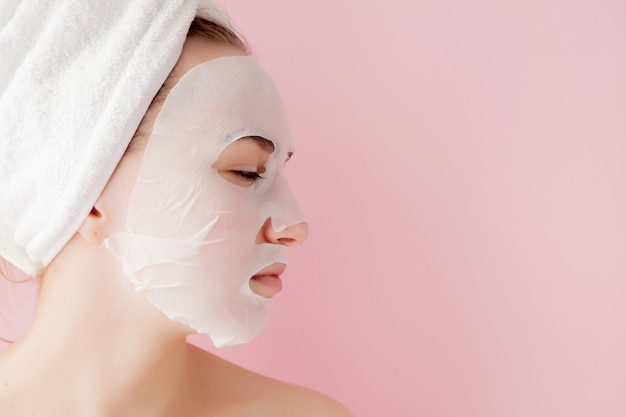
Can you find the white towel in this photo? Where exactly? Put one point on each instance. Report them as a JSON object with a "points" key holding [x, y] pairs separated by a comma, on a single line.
{"points": [[76, 77]]}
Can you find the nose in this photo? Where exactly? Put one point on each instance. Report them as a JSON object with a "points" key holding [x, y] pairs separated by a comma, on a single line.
{"points": [[290, 236]]}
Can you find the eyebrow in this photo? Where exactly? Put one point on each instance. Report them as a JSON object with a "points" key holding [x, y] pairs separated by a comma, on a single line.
{"points": [[266, 145], [263, 143]]}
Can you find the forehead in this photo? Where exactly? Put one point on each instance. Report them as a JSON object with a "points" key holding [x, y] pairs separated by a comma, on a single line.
{"points": [[224, 99]]}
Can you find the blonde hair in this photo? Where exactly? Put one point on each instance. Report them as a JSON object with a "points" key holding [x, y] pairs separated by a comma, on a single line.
{"points": [[11, 276]]}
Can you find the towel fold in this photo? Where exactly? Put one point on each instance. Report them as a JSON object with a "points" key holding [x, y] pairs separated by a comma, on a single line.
{"points": [[76, 77]]}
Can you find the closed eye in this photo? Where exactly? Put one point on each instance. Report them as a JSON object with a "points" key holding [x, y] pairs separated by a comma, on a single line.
{"points": [[248, 175], [243, 161]]}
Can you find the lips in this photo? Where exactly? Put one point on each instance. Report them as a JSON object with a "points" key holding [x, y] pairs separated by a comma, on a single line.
{"points": [[267, 282]]}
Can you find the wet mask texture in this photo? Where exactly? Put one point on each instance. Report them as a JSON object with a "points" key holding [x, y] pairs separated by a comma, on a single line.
{"points": [[191, 244]]}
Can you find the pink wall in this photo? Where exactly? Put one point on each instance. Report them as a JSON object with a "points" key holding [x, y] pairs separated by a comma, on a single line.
{"points": [[461, 164]]}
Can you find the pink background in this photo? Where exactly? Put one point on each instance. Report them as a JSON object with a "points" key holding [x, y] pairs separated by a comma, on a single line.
{"points": [[461, 164]]}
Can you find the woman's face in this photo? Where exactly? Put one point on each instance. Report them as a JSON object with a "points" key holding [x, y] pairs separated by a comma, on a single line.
{"points": [[210, 213]]}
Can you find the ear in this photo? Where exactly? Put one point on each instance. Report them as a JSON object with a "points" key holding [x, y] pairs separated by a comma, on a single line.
{"points": [[93, 228]]}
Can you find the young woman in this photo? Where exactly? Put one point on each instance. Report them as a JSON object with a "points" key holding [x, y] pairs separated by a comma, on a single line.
{"points": [[188, 235]]}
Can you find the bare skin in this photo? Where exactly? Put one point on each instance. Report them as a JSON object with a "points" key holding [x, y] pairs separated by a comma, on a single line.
{"points": [[99, 349]]}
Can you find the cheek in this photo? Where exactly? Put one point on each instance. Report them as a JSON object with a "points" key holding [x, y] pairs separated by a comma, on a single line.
{"points": [[240, 214]]}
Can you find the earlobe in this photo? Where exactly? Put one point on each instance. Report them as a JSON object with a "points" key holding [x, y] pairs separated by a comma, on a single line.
{"points": [[92, 230]]}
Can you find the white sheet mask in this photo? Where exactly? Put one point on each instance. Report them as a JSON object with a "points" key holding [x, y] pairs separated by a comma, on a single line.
{"points": [[190, 246]]}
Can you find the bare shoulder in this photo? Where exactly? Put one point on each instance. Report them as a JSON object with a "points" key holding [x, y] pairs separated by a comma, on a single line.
{"points": [[243, 393], [291, 400]]}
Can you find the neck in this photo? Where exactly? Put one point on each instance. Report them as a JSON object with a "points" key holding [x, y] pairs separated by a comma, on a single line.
{"points": [[96, 338]]}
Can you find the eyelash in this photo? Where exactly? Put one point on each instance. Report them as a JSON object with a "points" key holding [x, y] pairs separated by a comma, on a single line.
{"points": [[248, 175]]}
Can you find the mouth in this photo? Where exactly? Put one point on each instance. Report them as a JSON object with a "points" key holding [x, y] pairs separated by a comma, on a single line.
{"points": [[267, 282]]}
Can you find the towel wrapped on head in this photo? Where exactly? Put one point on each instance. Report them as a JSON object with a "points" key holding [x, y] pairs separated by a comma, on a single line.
{"points": [[76, 78]]}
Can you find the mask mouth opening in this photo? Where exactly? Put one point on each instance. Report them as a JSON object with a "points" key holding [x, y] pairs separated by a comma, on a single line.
{"points": [[267, 283]]}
